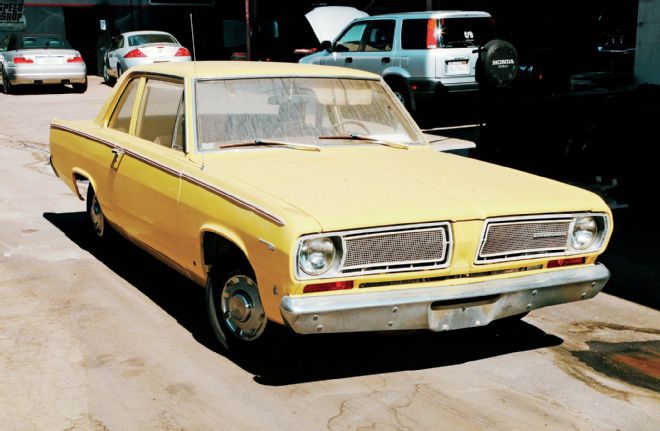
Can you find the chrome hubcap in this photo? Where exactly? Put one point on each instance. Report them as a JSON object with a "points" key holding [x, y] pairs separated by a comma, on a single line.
{"points": [[242, 309], [399, 96], [98, 220]]}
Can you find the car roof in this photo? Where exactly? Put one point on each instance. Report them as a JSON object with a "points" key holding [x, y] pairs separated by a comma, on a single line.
{"points": [[250, 69], [133, 33], [22, 35], [434, 14]]}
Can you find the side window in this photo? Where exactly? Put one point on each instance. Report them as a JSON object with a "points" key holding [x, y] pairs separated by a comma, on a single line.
{"points": [[351, 39], [161, 104], [12, 45], [120, 42], [414, 34], [121, 117], [380, 36], [4, 43]]}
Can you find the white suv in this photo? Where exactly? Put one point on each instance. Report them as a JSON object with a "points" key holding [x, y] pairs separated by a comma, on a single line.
{"points": [[423, 54]]}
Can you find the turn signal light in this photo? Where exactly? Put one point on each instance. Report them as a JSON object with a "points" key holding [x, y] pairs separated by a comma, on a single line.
{"points": [[566, 262], [325, 287], [76, 59], [135, 53], [182, 52], [22, 60]]}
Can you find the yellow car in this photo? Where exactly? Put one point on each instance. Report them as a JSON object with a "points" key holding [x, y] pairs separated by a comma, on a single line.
{"points": [[306, 196]]}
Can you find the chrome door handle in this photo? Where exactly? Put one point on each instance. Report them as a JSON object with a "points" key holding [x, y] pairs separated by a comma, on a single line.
{"points": [[348, 60], [385, 60]]}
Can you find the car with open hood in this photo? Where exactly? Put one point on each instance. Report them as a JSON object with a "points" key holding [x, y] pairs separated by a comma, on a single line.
{"points": [[306, 196]]}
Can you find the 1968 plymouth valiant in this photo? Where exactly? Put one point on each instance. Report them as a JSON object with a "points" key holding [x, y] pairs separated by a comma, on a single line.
{"points": [[305, 196]]}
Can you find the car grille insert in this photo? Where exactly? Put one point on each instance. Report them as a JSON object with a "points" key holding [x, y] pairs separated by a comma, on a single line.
{"points": [[420, 247], [515, 239]]}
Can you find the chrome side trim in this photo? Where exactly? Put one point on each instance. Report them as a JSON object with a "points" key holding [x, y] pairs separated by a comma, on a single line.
{"points": [[440, 308], [225, 195], [234, 199]]}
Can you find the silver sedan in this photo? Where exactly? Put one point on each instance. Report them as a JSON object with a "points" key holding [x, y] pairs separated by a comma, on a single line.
{"points": [[141, 47], [40, 59]]}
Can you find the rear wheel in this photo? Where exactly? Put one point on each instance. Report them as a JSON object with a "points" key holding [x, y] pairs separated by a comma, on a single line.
{"points": [[102, 230], [80, 88], [234, 308], [7, 88], [402, 93]]}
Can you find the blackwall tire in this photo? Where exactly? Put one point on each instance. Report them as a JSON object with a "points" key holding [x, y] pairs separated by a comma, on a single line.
{"points": [[235, 311]]}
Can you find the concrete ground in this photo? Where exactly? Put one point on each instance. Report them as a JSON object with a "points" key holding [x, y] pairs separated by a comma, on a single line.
{"points": [[95, 339]]}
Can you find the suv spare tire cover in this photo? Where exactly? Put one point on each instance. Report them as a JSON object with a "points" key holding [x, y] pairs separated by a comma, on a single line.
{"points": [[498, 63]]}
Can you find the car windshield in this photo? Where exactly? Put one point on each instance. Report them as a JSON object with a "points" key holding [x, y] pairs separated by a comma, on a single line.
{"points": [[143, 39], [43, 42], [298, 110]]}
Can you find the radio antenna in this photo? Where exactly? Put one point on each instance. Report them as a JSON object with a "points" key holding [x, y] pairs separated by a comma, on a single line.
{"points": [[192, 34]]}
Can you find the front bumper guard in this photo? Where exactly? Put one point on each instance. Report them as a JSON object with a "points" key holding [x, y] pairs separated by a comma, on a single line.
{"points": [[441, 308]]}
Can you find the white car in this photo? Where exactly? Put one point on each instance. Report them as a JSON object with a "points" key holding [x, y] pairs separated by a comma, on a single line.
{"points": [[138, 48]]}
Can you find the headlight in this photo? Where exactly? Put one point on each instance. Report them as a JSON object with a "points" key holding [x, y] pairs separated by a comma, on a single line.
{"points": [[585, 232], [316, 255]]}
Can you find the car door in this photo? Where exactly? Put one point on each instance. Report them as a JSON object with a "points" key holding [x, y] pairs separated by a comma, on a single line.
{"points": [[376, 52], [145, 188], [347, 47], [115, 53]]}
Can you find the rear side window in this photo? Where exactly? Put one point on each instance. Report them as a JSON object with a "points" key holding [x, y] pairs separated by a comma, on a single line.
{"points": [[161, 102], [43, 42], [121, 117], [141, 39], [380, 36], [350, 41], [446, 32]]}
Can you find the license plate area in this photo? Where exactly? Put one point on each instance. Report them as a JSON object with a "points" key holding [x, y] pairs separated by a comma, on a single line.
{"points": [[458, 67], [50, 60]]}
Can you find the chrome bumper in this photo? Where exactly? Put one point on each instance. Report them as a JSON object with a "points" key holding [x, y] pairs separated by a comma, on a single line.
{"points": [[47, 74], [441, 308]]}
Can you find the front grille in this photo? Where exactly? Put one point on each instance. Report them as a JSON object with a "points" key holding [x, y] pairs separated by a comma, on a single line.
{"points": [[419, 247], [512, 239]]}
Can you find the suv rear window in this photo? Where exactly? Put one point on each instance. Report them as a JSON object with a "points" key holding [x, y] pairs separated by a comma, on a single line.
{"points": [[446, 32]]}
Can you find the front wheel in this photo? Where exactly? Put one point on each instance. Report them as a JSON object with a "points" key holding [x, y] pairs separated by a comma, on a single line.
{"points": [[109, 80], [234, 308]]}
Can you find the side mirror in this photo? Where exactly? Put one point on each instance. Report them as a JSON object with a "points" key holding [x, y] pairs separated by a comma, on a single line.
{"points": [[326, 45]]}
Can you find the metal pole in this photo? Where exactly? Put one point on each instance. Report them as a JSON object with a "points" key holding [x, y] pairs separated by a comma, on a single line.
{"points": [[248, 35]]}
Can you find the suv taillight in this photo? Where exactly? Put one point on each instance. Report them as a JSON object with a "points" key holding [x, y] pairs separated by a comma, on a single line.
{"points": [[182, 52], [432, 33], [134, 54]]}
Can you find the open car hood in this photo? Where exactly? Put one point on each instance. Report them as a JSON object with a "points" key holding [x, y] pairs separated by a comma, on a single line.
{"points": [[328, 21]]}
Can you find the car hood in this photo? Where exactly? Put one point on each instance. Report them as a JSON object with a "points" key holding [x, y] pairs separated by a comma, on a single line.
{"points": [[328, 21], [343, 188]]}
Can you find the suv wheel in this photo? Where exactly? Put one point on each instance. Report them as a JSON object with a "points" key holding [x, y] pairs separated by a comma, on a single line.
{"points": [[401, 92]]}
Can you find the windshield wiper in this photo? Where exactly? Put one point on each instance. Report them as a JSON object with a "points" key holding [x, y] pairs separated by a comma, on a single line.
{"points": [[272, 143], [356, 137]]}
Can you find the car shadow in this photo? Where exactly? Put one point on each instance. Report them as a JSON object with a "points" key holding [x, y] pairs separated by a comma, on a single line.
{"points": [[295, 358], [26, 90]]}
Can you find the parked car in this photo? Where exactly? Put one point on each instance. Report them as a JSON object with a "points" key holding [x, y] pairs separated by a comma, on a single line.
{"points": [[424, 54], [306, 196], [141, 47], [37, 59]]}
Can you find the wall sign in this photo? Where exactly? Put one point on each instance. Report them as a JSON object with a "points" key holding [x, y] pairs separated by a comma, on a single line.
{"points": [[12, 17]]}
